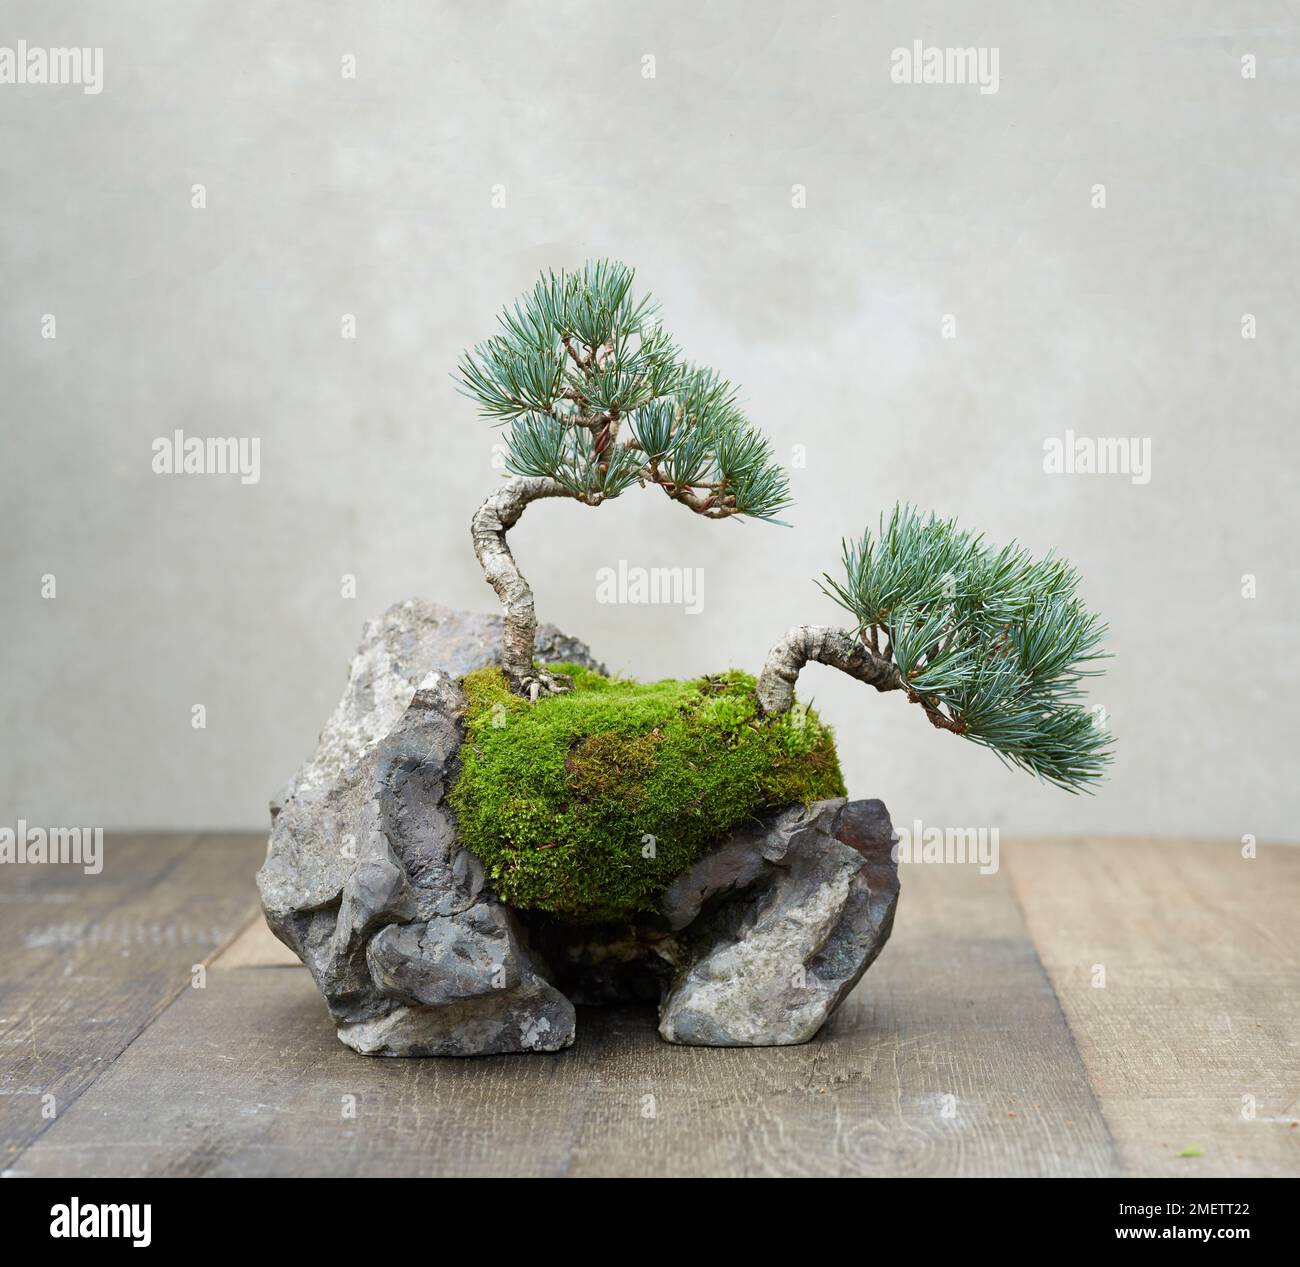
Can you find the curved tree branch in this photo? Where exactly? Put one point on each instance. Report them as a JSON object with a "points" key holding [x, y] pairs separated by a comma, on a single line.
{"points": [[493, 519], [837, 647]]}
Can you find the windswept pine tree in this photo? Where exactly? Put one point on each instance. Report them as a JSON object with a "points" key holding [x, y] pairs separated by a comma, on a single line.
{"points": [[596, 399], [991, 644]]}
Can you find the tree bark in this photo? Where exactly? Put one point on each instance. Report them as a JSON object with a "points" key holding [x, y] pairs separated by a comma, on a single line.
{"points": [[493, 519], [836, 647]]}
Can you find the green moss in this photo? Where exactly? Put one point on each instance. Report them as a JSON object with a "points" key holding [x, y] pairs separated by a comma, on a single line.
{"points": [[561, 798]]}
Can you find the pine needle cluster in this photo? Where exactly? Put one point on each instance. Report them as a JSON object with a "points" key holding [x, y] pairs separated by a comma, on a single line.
{"points": [[595, 395], [992, 643]]}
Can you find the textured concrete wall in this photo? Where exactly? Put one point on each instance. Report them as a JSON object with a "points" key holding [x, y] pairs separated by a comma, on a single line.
{"points": [[373, 196]]}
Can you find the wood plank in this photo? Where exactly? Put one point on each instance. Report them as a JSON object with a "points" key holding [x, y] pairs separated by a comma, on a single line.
{"points": [[87, 961], [951, 1057], [1201, 1002], [256, 946], [247, 1078]]}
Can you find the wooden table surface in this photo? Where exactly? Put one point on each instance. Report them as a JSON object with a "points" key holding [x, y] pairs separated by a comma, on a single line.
{"points": [[1093, 1008]]}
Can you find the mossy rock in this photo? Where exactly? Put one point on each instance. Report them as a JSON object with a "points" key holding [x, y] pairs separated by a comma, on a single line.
{"points": [[560, 799]]}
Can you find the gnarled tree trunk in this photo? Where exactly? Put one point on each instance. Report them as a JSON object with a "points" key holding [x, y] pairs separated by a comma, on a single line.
{"points": [[836, 647], [493, 519]]}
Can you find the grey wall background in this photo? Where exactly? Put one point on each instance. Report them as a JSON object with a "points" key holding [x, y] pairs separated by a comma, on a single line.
{"points": [[372, 196]]}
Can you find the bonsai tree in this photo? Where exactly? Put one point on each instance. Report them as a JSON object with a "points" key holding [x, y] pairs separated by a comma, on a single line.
{"points": [[991, 644], [539, 836], [562, 767], [596, 399]]}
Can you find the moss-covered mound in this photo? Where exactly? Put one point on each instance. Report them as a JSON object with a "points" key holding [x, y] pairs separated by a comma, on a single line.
{"points": [[588, 804]]}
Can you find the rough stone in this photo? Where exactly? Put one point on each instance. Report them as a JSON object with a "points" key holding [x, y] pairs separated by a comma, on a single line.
{"points": [[535, 1017], [366, 882], [785, 917], [364, 879]]}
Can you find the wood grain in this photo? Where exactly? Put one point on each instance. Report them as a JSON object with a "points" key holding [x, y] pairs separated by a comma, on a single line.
{"points": [[951, 1057], [1193, 1041], [87, 961], [957, 1006], [256, 946]]}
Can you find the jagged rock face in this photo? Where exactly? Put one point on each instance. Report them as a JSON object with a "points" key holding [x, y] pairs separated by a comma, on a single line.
{"points": [[784, 919], [365, 881]]}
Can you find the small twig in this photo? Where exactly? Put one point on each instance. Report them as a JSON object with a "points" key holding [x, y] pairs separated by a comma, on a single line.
{"points": [[937, 717], [568, 347]]}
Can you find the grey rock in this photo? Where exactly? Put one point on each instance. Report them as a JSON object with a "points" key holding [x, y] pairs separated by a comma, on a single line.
{"points": [[537, 1017], [448, 958], [364, 879], [468, 987], [740, 860], [788, 917], [398, 651]]}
